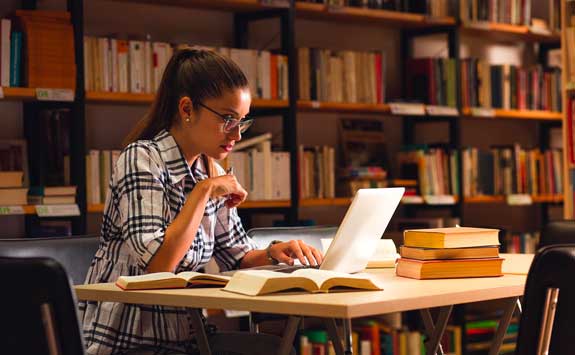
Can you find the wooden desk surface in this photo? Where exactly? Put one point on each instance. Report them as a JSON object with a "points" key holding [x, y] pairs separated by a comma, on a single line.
{"points": [[399, 294]]}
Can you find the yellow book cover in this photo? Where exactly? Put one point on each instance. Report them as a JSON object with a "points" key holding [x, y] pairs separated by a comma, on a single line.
{"points": [[453, 237]]}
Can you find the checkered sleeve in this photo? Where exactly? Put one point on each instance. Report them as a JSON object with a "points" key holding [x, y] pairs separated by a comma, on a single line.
{"points": [[142, 202], [231, 241]]}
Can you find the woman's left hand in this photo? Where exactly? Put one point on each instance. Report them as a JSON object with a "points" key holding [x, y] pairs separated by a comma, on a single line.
{"points": [[286, 252]]}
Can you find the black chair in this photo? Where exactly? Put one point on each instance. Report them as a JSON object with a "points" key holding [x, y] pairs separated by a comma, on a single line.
{"points": [[553, 268], [74, 253], [38, 309], [558, 232], [263, 236]]}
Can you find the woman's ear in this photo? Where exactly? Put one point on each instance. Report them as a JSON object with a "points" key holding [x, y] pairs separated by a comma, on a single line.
{"points": [[185, 109]]}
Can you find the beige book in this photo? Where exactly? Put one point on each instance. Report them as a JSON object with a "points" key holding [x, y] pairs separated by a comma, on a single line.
{"points": [[452, 253], [454, 237], [446, 269], [261, 282], [170, 280]]}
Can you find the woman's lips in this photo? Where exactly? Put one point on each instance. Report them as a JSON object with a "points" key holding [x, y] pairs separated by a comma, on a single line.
{"points": [[227, 147]]}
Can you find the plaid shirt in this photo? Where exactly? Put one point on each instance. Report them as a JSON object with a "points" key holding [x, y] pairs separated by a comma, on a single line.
{"points": [[149, 185]]}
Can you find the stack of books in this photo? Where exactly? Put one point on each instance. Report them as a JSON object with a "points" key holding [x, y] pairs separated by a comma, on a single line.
{"points": [[439, 253], [52, 195], [49, 44]]}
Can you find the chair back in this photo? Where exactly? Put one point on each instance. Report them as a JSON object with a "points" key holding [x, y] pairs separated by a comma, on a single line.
{"points": [[310, 235], [553, 268], [558, 232], [38, 309], [74, 253]]}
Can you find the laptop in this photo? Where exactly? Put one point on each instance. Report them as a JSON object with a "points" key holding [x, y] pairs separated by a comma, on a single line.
{"points": [[356, 238]]}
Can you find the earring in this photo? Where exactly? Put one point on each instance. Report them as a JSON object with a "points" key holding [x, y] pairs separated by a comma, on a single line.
{"points": [[188, 119]]}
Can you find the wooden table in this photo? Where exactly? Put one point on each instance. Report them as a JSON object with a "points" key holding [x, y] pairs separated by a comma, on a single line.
{"points": [[399, 294]]}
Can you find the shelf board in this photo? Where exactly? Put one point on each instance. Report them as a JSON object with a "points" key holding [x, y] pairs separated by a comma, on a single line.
{"points": [[17, 93], [317, 106], [217, 5], [138, 99], [502, 199], [519, 114], [504, 32], [362, 15]]}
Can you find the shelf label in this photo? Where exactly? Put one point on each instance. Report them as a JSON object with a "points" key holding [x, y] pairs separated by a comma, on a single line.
{"points": [[275, 3], [43, 94], [11, 210], [482, 112], [412, 200], [407, 109], [441, 111], [57, 210], [235, 314], [315, 104], [519, 200], [335, 8], [439, 199]]}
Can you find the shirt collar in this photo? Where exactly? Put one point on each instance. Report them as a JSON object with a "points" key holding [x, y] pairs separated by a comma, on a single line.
{"points": [[176, 164]]}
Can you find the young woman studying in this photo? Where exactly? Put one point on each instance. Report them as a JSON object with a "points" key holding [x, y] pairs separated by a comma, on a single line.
{"points": [[171, 207]]}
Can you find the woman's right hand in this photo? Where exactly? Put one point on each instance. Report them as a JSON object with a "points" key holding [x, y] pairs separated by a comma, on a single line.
{"points": [[227, 186]]}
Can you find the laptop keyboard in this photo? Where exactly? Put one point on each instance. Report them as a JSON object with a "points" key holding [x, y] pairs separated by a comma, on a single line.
{"points": [[279, 268]]}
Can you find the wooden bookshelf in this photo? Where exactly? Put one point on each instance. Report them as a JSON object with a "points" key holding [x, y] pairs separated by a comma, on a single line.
{"points": [[217, 5], [99, 208], [317, 106], [502, 199], [139, 99], [505, 32], [361, 15], [517, 114], [17, 93]]}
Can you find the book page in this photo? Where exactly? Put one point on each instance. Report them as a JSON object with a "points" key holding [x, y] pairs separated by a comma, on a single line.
{"points": [[320, 276], [193, 275], [150, 277]]}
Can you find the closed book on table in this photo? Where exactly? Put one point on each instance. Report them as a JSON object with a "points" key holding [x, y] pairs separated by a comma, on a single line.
{"points": [[449, 253], [447, 269], [456, 237]]}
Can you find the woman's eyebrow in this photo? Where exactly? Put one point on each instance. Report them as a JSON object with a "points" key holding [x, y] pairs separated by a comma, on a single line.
{"points": [[232, 111]]}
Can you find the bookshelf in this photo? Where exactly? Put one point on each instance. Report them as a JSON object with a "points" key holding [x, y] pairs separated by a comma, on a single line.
{"points": [[568, 86], [508, 32]]}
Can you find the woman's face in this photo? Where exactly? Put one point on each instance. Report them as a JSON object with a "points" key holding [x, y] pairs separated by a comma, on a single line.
{"points": [[207, 129]]}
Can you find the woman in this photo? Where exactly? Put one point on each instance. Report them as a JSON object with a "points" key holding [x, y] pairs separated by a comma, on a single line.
{"points": [[171, 207]]}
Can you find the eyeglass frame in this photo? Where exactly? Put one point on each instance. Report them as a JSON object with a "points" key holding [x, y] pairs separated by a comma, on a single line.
{"points": [[228, 118]]}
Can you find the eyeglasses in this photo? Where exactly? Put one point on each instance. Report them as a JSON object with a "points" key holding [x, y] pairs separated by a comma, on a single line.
{"points": [[231, 123]]}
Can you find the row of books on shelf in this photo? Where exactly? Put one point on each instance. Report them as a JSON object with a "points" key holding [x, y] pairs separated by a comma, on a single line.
{"points": [[497, 171], [509, 86], [136, 66], [47, 39], [512, 170], [516, 12], [341, 76], [432, 81], [522, 243], [480, 331], [99, 167], [379, 337], [36, 195], [434, 7]]}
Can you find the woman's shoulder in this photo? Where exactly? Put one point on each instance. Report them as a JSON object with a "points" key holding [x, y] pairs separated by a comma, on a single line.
{"points": [[140, 152]]}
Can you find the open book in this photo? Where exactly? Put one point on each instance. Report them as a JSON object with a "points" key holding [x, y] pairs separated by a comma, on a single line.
{"points": [[261, 282], [170, 280]]}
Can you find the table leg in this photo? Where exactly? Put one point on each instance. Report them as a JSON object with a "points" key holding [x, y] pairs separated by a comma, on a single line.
{"points": [[289, 335], [503, 324], [201, 337], [519, 307], [347, 336], [334, 335], [435, 332]]}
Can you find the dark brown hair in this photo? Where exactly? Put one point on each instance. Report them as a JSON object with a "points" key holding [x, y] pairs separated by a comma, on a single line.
{"points": [[197, 73]]}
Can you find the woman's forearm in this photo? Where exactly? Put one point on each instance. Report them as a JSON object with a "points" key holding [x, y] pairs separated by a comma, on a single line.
{"points": [[180, 234], [254, 258]]}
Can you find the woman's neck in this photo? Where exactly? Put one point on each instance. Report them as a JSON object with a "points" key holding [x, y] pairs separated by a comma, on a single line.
{"points": [[188, 150]]}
